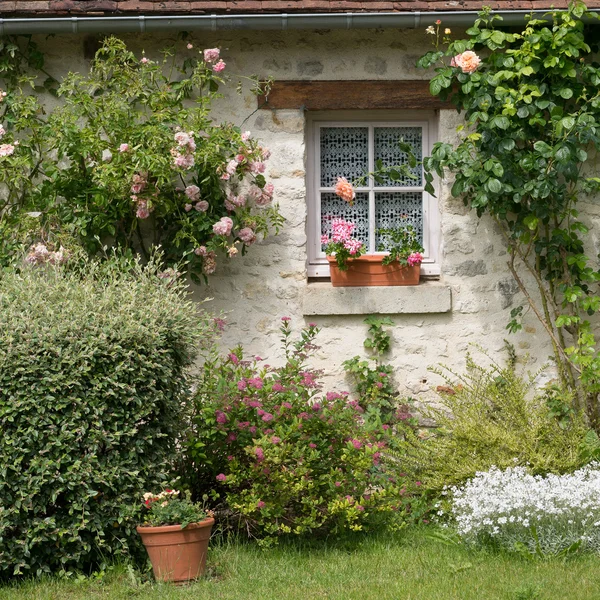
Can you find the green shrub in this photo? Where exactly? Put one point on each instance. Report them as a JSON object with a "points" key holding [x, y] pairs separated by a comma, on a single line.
{"points": [[92, 378], [492, 416], [286, 458]]}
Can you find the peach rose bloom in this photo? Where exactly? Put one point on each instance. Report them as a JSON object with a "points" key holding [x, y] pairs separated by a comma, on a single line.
{"points": [[344, 189], [468, 61]]}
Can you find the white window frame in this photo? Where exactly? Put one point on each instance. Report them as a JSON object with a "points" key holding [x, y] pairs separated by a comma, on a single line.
{"points": [[317, 266]]}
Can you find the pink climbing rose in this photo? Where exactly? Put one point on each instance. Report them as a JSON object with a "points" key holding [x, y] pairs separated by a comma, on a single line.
{"points": [[468, 61], [344, 189]]}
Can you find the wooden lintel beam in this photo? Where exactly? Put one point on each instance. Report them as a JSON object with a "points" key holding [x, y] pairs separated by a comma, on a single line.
{"points": [[351, 95]]}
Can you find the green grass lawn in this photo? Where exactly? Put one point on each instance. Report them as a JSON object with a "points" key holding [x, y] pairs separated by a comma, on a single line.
{"points": [[405, 566]]}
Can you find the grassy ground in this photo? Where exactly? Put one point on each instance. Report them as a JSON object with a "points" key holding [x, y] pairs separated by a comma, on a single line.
{"points": [[407, 566]]}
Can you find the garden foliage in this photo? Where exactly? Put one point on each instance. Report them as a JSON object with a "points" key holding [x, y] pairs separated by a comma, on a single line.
{"points": [[92, 377], [491, 416], [532, 110], [286, 458], [130, 156]]}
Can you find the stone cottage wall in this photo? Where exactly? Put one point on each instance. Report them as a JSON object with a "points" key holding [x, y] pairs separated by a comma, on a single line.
{"points": [[476, 288]]}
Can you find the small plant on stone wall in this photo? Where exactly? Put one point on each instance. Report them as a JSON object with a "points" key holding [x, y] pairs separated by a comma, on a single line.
{"points": [[532, 110], [132, 157], [371, 378]]}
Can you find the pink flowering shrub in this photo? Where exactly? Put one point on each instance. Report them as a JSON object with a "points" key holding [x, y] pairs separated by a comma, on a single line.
{"points": [[134, 159], [283, 456]]}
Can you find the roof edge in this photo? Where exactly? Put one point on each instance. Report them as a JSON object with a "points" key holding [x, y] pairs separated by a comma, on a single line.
{"points": [[280, 21]]}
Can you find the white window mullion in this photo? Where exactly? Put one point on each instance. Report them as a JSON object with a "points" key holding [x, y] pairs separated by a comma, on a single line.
{"points": [[316, 228], [371, 190]]}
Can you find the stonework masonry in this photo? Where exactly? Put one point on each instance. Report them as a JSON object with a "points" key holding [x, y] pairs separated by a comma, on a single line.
{"points": [[435, 323]]}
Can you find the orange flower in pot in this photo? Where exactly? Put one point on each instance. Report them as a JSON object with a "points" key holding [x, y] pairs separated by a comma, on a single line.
{"points": [[175, 533]]}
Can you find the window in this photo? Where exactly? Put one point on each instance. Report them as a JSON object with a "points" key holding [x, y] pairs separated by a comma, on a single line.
{"points": [[348, 145]]}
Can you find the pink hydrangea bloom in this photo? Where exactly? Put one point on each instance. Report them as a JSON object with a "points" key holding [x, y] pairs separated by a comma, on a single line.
{"points": [[241, 385], [267, 417], [211, 54], [275, 440], [219, 66], [344, 189], [311, 445], [260, 453], [260, 505], [221, 417], [277, 387], [221, 477], [223, 226]]}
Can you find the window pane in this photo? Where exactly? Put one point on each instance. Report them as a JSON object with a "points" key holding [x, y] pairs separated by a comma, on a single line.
{"points": [[387, 150], [344, 153], [333, 207], [394, 209]]}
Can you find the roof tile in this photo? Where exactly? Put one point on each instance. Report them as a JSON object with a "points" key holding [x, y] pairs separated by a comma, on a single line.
{"points": [[49, 8]]}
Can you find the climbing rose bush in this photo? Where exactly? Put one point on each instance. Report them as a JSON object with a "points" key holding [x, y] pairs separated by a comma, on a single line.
{"points": [[285, 457], [133, 158]]}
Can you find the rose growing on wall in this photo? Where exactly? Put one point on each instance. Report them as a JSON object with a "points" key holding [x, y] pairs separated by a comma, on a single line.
{"points": [[133, 158]]}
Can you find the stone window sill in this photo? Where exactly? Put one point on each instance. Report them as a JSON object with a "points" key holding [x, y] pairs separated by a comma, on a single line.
{"points": [[427, 297]]}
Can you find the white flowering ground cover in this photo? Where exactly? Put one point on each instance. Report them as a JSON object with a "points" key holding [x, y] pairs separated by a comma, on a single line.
{"points": [[543, 514]]}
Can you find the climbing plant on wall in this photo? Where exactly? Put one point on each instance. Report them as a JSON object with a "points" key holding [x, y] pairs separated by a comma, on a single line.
{"points": [[531, 103], [130, 157]]}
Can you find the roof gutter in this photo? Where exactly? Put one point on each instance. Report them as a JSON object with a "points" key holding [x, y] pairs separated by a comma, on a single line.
{"points": [[147, 24]]}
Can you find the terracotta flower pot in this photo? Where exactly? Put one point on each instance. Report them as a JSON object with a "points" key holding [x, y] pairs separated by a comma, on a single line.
{"points": [[369, 271], [177, 554]]}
